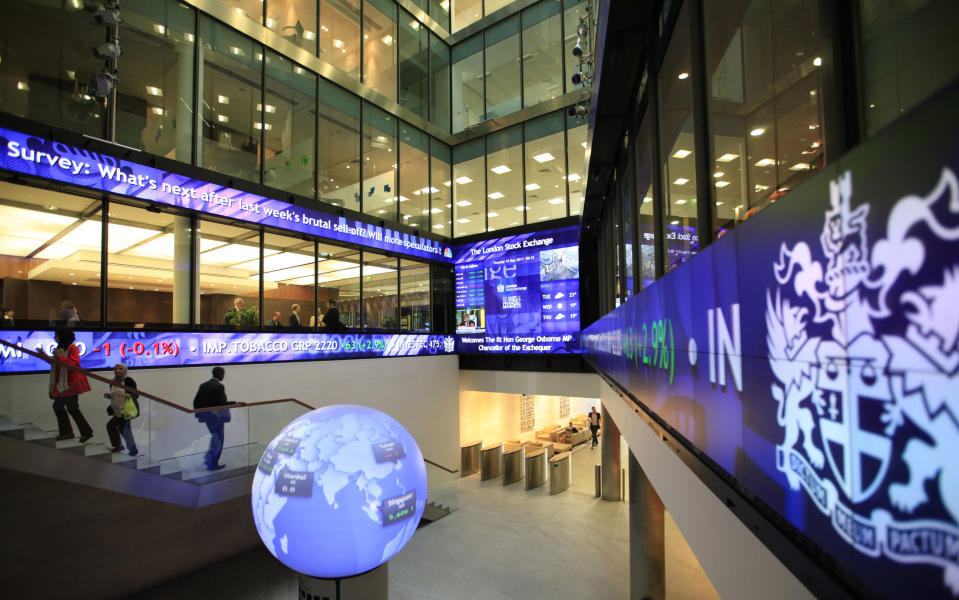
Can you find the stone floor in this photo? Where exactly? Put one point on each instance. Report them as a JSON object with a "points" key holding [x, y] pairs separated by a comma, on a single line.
{"points": [[499, 543]]}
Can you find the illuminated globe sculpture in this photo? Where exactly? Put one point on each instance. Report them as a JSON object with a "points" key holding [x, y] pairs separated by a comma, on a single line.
{"points": [[339, 491]]}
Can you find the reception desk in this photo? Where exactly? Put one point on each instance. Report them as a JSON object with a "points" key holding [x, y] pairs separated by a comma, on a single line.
{"points": [[470, 458], [491, 461], [537, 471], [514, 463], [560, 473]]}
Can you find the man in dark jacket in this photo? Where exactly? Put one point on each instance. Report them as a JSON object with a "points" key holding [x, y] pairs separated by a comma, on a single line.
{"points": [[212, 393], [331, 320], [295, 317]]}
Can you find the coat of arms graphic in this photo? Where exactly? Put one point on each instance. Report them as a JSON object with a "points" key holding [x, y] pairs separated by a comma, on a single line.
{"points": [[863, 342]]}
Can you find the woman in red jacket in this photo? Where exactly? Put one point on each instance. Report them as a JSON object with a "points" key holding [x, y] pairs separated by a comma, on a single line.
{"points": [[66, 386]]}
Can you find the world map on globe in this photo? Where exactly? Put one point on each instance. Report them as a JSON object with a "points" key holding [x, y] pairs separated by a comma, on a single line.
{"points": [[339, 491]]}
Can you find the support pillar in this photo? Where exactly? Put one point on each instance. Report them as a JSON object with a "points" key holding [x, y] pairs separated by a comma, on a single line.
{"points": [[612, 467], [647, 537], [372, 585], [184, 267]]}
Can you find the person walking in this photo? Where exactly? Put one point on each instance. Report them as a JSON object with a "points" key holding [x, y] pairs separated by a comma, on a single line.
{"points": [[594, 419], [67, 385], [212, 393], [120, 423]]}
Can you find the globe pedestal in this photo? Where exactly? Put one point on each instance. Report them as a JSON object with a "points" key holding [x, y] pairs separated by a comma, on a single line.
{"points": [[372, 585]]}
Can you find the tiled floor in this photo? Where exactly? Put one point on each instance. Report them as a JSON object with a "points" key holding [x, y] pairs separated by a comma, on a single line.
{"points": [[500, 542]]}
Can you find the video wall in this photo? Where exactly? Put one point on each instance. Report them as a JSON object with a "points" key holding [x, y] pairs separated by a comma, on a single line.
{"points": [[813, 354], [519, 294], [103, 349]]}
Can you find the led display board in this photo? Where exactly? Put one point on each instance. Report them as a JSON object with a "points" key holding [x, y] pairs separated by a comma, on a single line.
{"points": [[812, 354], [37, 156], [103, 349], [519, 294]]}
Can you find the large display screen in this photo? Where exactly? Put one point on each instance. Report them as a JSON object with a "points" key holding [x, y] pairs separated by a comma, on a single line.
{"points": [[519, 294], [103, 349], [61, 162], [813, 354]]}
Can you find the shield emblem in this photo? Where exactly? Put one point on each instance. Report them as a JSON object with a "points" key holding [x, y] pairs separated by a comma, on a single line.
{"points": [[854, 390]]}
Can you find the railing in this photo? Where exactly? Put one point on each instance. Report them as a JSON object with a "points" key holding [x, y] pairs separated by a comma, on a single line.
{"points": [[169, 437]]}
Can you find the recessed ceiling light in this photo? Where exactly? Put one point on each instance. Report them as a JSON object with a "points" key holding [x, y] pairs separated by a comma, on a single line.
{"points": [[757, 132], [156, 110], [154, 91], [765, 162], [387, 39], [817, 61], [23, 86], [574, 177], [647, 199], [674, 222], [681, 153], [463, 180], [223, 118], [435, 210], [464, 203], [557, 201], [223, 99], [681, 201], [681, 181], [683, 75], [801, 166], [722, 184], [495, 196], [492, 215], [727, 157], [500, 169], [583, 144], [159, 28], [337, 43], [462, 220], [544, 157], [718, 174], [532, 187], [520, 208], [438, 226]]}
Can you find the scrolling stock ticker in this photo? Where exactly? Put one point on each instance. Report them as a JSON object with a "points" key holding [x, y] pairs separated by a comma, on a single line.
{"points": [[813, 355], [102, 350], [519, 294], [70, 164]]}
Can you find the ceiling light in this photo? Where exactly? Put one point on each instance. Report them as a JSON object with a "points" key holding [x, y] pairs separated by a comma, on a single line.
{"points": [[718, 174], [159, 28], [674, 222], [495, 196], [681, 181], [415, 24], [684, 75], [520, 208], [727, 157], [681, 153], [680, 201], [464, 203], [813, 126], [500, 169], [532, 187], [387, 39], [336, 43], [236, 51], [817, 61], [647, 199], [557, 201], [574, 177], [266, 126], [154, 91], [544, 157], [309, 35], [269, 107], [438, 226], [760, 188], [722, 184], [801, 166], [445, 5], [719, 203], [156, 110], [583, 144], [23, 86], [757, 132], [765, 162], [462, 220], [447, 183], [223, 99], [492, 215], [463, 180]]}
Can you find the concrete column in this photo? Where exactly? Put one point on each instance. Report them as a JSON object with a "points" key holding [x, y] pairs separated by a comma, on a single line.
{"points": [[647, 533], [183, 241], [612, 467]]}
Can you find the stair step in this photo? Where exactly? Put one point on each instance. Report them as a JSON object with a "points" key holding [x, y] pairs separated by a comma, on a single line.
{"points": [[32, 434], [16, 434], [6, 424], [202, 477]]}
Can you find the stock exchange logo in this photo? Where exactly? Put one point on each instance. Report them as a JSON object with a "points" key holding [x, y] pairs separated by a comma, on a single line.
{"points": [[863, 347]]}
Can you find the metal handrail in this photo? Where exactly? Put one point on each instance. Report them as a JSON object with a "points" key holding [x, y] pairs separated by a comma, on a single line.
{"points": [[44, 357]]}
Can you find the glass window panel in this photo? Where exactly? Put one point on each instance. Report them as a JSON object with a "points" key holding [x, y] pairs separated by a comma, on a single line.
{"points": [[339, 281], [295, 20], [644, 199], [504, 178], [542, 52], [379, 46], [288, 281], [414, 65], [441, 187], [46, 81], [155, 100], [573, 11], [440, 11], [466, 12], [545, 168], [414, 296], [469, 189], [628, 193], [491, 6], [503, 84], [251, 9], [615, 216], [231, 122], [338, 161], [467, 90], [379, 163], [765, 121], [414, 178], [439, 83], [908, 52], [340, 34], [149, 276], [289, 137], [576, 130], [229, 274], [676, 145], [379, 291], [49, 254]]}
